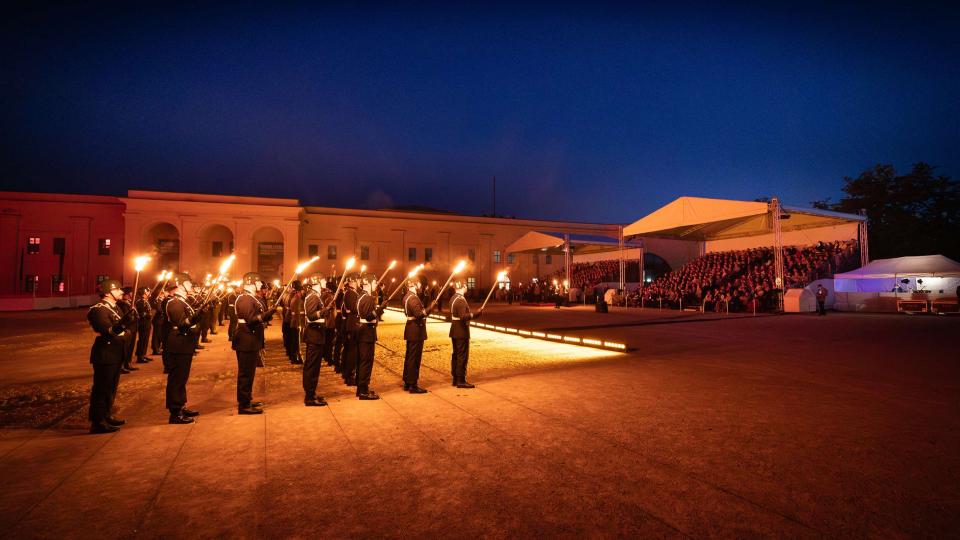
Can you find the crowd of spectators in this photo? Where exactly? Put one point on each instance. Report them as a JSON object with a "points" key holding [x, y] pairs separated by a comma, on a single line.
{"points": [[743, 280]]}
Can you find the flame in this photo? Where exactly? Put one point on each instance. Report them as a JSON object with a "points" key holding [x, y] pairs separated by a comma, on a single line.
{"points": [[501, 275], [460, 266], [414, 271], [350, 262], [363, 268], [566, 283], [225, 265], [140, 262], [303, 266], [276, 283], [392, 264]]}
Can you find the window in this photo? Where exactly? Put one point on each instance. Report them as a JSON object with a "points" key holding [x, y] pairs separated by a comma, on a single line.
{"points": [[471, 283], [331, 253], [313, 250], [549, 259], [56, 283], [510, 258], [364, 253], [411, 254], [427, 254], [496, 256], [472, 255], [33, 246], [104, 246], [30, 282], [59, 246], [217, 248]]}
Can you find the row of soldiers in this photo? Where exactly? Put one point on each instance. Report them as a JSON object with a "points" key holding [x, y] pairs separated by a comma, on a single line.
{"points": [[339, 326]]}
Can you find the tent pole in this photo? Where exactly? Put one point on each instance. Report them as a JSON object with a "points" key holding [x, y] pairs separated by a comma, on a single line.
{"points": [[567, 258], [864, 244], [777, 251]]}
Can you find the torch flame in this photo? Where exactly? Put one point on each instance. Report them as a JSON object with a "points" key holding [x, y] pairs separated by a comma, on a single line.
{"points": [[414, 271], [140, 262], [350, 262], [276, 283], [460, 266], [392, 264], [363, 268], [501, 275], [225, 265], [303, 266]]}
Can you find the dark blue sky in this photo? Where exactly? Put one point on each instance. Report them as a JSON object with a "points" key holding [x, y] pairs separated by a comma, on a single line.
{"points": [[599, 114]]}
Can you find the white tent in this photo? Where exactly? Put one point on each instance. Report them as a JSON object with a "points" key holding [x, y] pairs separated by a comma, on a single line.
{"points": [[926, 272]]}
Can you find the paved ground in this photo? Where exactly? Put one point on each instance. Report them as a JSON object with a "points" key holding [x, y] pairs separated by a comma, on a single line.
{"points": [[795, 426]]}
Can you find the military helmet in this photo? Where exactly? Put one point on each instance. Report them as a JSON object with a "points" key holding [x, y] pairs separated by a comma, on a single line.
{"points": [[179, 279], [108, 285], [459, 285], [251, 278]]}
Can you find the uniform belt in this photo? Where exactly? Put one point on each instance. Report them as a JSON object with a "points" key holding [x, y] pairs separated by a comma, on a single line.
{"points": [[369, 322], [241, 321], [411, 318], [318, 321], [456, 318]]}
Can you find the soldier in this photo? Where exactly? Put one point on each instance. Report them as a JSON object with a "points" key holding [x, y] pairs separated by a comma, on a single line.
{"points": [[368, 314], [460, 335], [165, 323], [292, 317], [351, 327], [317, 313], [106, 355], [129, 314], [145, 314], [159, 317], [248, 342], [231, 312], [821, 300], [340, 331], [330, 326], [415, 333], [179, 347]]}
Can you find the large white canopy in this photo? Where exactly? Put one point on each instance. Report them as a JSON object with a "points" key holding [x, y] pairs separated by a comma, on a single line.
{"points": [[921, 266], [700, 219], [552, 243]]}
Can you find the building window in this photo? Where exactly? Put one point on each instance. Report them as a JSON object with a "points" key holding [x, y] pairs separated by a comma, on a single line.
{"points": [[549, 259], [104, 246], [33, 245], [56, 283], [510, 258], [472, 255], [313, 250], [411, 254], [30, 282], [217, 248], [427, 254], [331, 253], [496, 256], [59, 246], [364, 253], [471, 283]]}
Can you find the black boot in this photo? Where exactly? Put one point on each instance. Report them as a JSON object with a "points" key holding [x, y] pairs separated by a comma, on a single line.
{"points": [[414, 389], [102, 427]]}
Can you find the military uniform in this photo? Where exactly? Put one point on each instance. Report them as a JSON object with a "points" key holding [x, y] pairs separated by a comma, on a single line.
{"points": [[351, 329], [317, 313], [414, 333], [106, 356], [165, 331], [367, 316], [340, 334], [144, 327], [179, 348], [248, 342], [231, 314], [329, 327], [129, 315], [460, 336], [291, 327]]}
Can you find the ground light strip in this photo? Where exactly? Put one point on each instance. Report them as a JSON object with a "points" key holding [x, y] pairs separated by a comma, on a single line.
{"points": [[583, 342]]}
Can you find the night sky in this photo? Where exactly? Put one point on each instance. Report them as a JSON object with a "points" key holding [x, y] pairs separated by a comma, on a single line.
{"points": [[595, 115]]}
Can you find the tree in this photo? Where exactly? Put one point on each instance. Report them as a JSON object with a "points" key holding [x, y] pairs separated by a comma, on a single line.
{"points": [[917, 213]]}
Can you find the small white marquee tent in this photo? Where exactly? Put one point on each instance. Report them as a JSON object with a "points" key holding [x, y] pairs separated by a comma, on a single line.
{"points": [[927, 272]]}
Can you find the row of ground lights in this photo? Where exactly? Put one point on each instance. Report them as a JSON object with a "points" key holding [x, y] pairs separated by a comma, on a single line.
{"points": [[574, 340]]}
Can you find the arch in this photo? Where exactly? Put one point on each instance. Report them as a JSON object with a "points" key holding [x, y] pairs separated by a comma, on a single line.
{"points": [[267, 252], [214, 242], [162, 240], [654, 266]]}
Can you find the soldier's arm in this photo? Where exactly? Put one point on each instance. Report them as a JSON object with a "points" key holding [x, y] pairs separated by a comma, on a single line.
{"points": [[103, 324], [312, 307], [416, 309]]}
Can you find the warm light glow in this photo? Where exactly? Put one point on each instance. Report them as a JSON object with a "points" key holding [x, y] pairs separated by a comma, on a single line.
{"points": [[303, 266], [393, 280], [414, 272], [225, 265], [392, 264], [276, 283], [140, 262], [571, 339], [434, 283], [554, 283], [588, 341], [501, 275], [363, 268], [554, 336], [350, 262], [613, 345], [538, 334], [460, 266], [524, 332], [566, 284]]}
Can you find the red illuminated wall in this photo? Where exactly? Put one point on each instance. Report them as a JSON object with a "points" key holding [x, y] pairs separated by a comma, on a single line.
{"points": [[80, 220]]}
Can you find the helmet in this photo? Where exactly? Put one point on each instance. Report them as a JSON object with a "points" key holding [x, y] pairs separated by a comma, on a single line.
{"points": [[108, 285], [352, 280], [369, 284], [180, 279], [144, 290], [413, 283], [128, 290], [253, 278], [460, 286]]}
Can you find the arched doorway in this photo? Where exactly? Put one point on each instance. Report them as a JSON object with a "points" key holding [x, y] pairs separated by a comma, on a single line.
{"points": [[215, 243], [163, 241], [267, 252]]}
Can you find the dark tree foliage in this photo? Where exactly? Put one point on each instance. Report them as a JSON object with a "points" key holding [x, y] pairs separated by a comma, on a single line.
{"points": [[917, 213]]}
